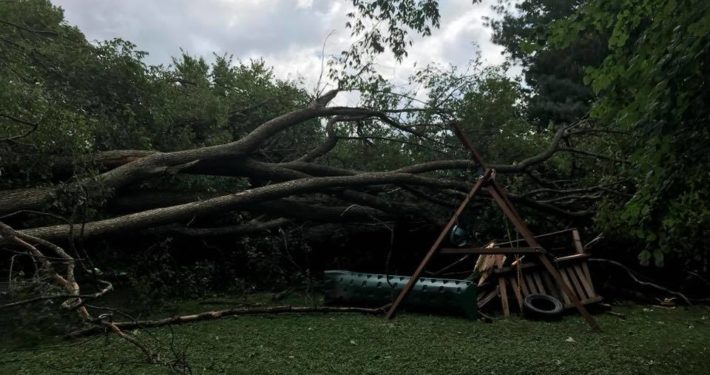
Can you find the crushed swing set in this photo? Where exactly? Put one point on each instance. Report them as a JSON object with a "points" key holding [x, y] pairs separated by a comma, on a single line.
{"points": [[562, 282], [568, 272]]}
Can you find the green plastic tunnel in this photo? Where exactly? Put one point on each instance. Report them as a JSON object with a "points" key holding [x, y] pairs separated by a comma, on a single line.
{"points": [[429, 294]]}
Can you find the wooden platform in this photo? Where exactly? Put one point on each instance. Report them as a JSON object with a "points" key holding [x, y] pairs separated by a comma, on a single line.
{"points": [[532, 279]]}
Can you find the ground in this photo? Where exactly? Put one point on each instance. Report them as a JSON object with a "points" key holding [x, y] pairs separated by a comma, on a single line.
{"points": [[650, 340]]}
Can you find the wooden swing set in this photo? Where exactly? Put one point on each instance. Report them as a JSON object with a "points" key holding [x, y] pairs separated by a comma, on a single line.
{"points": [[487, 181]]}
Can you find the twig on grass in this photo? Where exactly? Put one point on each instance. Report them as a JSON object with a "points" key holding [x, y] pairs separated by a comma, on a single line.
{"points": [[217, 314]]}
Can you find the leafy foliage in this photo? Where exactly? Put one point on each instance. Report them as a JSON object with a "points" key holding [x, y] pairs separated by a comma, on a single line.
{"points": [[381, 26], [653, 84], [641, 68], [49, 107]]}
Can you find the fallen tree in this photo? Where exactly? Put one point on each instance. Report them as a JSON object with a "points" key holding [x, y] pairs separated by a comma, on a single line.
{"points": [[126, 156], [275, 181]]}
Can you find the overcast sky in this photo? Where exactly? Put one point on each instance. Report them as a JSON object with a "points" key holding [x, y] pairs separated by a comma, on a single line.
{"points": [[288, 34]]}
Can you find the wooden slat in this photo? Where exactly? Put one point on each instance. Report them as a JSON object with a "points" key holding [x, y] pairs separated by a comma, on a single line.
{"points": [[586, 284], [588, 276], [524, 287], [540, 285], [518, 292], [503, 296], [550, 285], [566, 298], [531, 284], [578, 290], [577, 242]]}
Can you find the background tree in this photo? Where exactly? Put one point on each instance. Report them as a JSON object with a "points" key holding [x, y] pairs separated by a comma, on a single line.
{"points": [[653, 84], [554, 73]]}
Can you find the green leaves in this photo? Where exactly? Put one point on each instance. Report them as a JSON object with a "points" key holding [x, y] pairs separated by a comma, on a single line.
{"points": [[653, 83], [379, 26], [554, 58], [87, 97]]}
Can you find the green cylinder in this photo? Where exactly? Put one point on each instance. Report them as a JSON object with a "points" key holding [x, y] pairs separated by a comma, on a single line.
{"points": [[429, 294]]}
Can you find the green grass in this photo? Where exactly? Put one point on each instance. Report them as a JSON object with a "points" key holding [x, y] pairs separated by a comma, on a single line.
{"points": [[649, 341]]}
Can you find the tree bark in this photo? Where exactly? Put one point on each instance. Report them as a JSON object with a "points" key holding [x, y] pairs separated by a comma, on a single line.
{"points": [[165, 215], [231, 159]]}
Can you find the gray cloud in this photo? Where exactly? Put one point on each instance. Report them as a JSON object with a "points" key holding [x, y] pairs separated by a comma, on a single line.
{"points": [[288, 34], [163, 27]]}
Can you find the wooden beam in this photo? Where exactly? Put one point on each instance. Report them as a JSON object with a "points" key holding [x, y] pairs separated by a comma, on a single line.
{"points": [[538, 236], [492, 250], [577, 242], [467, 143], [437, 244]]}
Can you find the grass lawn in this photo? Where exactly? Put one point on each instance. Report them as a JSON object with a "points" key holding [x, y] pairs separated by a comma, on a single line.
{"points": [[650, 340]]}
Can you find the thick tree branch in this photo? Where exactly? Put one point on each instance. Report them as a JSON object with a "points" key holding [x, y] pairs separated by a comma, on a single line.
{"points": [[330, 142], [158, 163], [253, 226], [160, 216], [314, 210], [589, 154]]}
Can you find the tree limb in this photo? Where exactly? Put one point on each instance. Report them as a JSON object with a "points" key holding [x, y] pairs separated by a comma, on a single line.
{"points": [[217, 314], [641, 282], [159, 216]]}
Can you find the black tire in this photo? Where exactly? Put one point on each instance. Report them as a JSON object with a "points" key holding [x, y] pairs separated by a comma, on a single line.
{"points": [[542, 306]]}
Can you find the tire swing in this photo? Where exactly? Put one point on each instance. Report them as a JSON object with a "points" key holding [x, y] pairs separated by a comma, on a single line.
{"points": [[542, 307]]}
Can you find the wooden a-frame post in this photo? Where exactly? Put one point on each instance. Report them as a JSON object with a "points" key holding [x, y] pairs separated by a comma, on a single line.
{"points": [[487, 181]]}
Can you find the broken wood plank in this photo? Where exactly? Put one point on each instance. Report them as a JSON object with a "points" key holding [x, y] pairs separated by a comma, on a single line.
{"points": [[567, 300]]}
